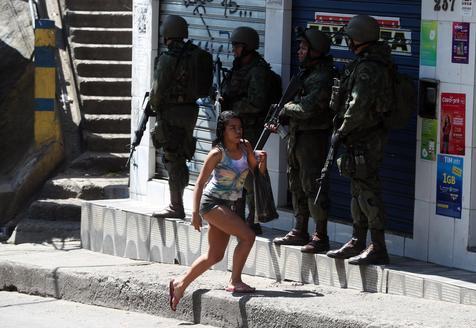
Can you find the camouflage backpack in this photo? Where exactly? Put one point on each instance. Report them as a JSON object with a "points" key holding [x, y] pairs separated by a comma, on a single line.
{"points": [[194, 72], [400, 101]]}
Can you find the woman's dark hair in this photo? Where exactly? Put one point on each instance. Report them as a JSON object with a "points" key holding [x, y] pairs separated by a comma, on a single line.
{"points": [[222, 121]]}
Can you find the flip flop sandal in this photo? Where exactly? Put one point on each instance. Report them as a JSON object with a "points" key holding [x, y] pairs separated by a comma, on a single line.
{"points": [[241, 289], [171, 295]]}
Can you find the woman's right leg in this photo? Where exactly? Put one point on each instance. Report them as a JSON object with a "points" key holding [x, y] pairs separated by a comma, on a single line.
{"points": [[230, 223], [217, 243]]}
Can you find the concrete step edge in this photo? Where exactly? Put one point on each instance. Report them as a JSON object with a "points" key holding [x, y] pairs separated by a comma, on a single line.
{"points": [[102, 62], [105, 79], [99, 12], [106, 136], [100, 98], [100, 29], [77, 275], [100, 45], [107, 116]]}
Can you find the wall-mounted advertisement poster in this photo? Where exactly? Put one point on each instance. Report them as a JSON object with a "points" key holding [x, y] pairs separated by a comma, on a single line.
{"points": [[452, 125], [429, 135], [449, 184], [460, 45], [467, 8], [429, 42]]}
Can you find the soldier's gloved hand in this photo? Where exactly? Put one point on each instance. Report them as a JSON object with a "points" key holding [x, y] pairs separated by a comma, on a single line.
{"points": [[336, 138], [283, 118]]}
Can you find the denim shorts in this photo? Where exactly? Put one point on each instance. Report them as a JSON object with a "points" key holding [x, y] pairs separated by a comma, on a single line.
{"points": [[209, 203]]}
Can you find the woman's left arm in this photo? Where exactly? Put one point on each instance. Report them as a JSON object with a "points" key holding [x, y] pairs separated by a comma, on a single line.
{"points": [[256, 161]]}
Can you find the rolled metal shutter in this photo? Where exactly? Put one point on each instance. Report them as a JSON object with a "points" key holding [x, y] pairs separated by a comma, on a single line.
{"points": [[210, 26], [402, 20]]}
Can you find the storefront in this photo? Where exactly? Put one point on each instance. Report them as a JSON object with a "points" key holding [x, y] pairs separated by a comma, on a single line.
{"points": [[427, 173]]}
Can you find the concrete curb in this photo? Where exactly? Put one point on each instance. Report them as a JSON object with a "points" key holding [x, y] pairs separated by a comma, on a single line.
{"points": [[97, 279]]}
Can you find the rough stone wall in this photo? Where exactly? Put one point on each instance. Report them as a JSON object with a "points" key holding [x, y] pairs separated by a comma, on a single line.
{"points": [[16, 82]]}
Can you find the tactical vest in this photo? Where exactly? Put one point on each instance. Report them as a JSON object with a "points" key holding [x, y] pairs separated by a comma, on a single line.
{"points": [[193, 75]]}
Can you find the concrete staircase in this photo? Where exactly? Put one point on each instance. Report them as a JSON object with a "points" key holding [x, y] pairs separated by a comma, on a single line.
{"points": [[99, 36]]}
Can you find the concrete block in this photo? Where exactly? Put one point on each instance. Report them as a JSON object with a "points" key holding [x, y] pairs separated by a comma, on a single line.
{"points": [[468, 296], [292, 263], [188, 242], [85, 225], [162, 240], [109, 232], [138, 236], [399, 283], [96, 221], [269, 261], [367, 278], [331, 272]]}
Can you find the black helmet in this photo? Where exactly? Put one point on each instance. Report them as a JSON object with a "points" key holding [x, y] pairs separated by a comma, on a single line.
{"points": [[174, 27], [317, 40], [246, 35], [363, 28]]}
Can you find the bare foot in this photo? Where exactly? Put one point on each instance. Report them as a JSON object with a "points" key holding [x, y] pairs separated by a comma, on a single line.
{"points": [[239, 287]]}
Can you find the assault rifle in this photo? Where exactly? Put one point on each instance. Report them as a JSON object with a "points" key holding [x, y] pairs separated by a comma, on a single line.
{"points": [[323, 181], [272, 119], [218, 69], [144, 117]]}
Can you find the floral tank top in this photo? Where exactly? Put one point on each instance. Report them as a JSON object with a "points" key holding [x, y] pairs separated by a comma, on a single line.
{"points": [[228, 177]]}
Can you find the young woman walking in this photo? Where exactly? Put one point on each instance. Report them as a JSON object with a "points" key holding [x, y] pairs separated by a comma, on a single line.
{"points": [[219, 185]]}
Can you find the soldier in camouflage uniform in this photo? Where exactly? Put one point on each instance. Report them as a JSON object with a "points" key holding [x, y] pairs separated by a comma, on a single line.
{"points": [[176, 110], [310, 121], [360, 106], [245, 91]]}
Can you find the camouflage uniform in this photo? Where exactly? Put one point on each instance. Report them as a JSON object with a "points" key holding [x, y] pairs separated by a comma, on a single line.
{"points": [[176, 116], [360, 107], [309, 124], [246, 93], [359, 120]]}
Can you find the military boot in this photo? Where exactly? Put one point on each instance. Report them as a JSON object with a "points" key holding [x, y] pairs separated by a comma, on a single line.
{"points": [[353, 247], [175, 209], [297, 236], [319, 241], [375, 253]]}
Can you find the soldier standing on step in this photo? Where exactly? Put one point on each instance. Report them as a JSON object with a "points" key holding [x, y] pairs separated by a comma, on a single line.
{"points": [[183, 74], [247, 91], [358, 125], [310, 121]]}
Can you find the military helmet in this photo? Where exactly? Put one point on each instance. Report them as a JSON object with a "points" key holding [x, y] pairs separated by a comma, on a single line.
{"points": [[363, 28], [317, 40], [246, 35], [174, 27]]}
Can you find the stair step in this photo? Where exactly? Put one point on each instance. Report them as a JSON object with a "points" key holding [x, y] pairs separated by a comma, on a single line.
{"points": [[56, 209], [105, 86], [87, 188], [107, 123], [105, 105], [103, 5], [101, 163], [104, 68], [103, 142], [110, 19], [101, 35], [39, 231], [102, 51]]}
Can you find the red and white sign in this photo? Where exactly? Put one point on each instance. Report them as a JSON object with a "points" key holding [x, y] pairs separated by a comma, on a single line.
{"points": [[399, 39], [452, 124]]}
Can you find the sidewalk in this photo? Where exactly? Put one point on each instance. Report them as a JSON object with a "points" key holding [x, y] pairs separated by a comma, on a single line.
{"points": [[70, 273]]}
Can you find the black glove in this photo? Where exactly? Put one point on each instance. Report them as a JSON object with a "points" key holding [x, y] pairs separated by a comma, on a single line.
{"points": [[283, 119], [336, 138]]}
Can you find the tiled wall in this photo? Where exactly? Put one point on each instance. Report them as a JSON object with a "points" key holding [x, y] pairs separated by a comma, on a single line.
{"points": [[441, 239]]}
